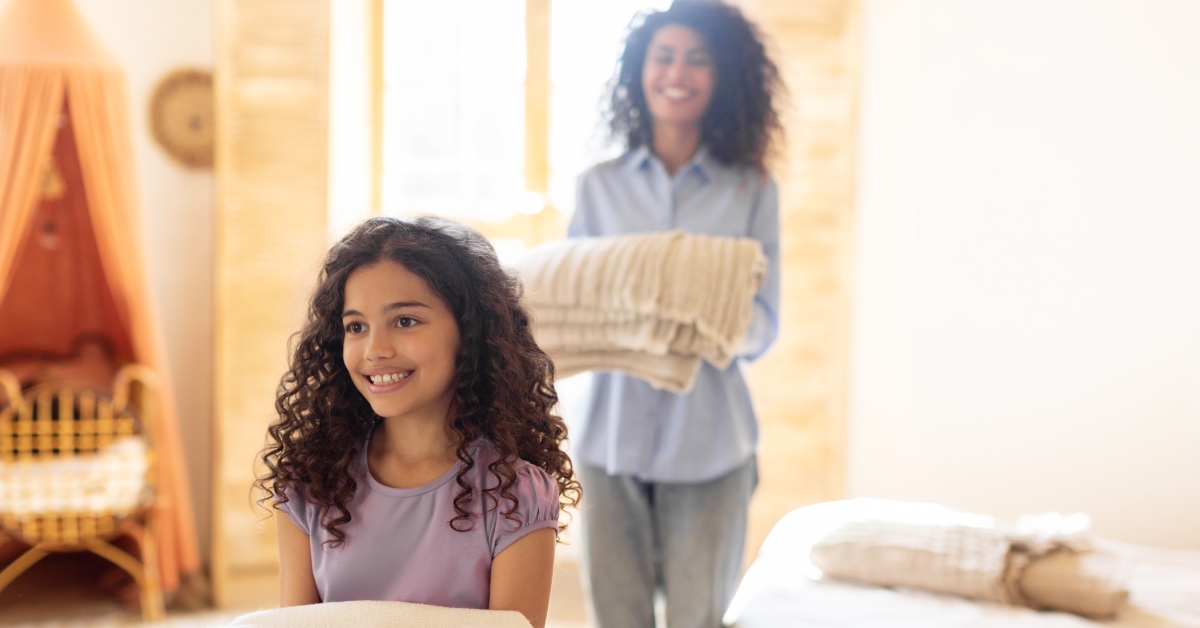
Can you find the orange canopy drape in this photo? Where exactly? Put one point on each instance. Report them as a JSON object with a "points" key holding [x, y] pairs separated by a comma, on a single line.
{"points": [[51, 65]]}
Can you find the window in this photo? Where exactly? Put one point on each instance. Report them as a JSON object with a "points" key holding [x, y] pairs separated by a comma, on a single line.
{"points": [[458, 108], [585, 42], [454, 102]]}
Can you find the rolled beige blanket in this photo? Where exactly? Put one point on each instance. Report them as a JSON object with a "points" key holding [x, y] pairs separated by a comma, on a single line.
{"points": [[997, 563], [1089, 583]]}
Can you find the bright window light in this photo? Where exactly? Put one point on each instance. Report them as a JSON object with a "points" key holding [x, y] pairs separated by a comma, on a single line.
{"points": [[585, 42], [454, 99]]}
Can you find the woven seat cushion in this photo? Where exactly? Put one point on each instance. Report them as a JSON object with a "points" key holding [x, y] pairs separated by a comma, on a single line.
{"points": [[113, 480]]}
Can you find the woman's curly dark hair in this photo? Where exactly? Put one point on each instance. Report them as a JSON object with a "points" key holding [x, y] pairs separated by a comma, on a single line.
{"points": [[504, 383], [741, 125]]}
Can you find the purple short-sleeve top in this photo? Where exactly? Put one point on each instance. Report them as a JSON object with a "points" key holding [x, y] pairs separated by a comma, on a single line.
{"points": [[399, 544]]}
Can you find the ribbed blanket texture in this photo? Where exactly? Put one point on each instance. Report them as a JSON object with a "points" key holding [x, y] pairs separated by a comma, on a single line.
{"points": [[369, 614], [1047, 565], [654, 305]]}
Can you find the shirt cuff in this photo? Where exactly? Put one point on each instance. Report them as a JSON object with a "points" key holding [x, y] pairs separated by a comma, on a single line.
{"points": [[761, 333]]}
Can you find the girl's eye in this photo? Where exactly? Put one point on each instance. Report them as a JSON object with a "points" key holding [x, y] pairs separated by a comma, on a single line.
{"points": [[405, 321], [355, 328], [699, 61], [664, 59]]}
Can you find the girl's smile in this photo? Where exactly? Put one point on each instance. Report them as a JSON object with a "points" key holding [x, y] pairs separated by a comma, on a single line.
{"points": [[400, 342], [385, 381]]}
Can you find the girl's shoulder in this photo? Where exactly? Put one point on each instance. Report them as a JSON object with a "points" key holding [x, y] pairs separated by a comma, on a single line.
{"points": [[292, 499], [530, 503], [531, 481], [536, 482]]}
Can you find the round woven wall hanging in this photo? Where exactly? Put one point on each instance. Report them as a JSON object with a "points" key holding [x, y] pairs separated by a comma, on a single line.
{"points": [[181, 117]]}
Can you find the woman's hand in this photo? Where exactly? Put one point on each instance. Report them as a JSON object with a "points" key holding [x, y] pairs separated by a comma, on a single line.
{"points": [[297, 585], [521, 576]]}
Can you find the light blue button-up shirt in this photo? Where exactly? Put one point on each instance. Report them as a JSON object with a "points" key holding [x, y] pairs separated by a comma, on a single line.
{"points": [[629, 427]]}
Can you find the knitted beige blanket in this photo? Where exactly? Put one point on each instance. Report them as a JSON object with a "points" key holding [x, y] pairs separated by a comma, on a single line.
{"points": [[370, 614], [1044, 562], [653, 305]]}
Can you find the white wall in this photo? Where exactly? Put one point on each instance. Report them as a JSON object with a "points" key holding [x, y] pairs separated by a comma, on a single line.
{"points": [[150, 38], [1027, 328]]}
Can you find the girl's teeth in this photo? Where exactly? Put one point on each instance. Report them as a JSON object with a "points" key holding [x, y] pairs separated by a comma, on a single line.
{"points": [[675, 93], [389, 378]]}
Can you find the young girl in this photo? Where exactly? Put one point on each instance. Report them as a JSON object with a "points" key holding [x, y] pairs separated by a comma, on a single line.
{"points": [[416, 454], [669, 476]]}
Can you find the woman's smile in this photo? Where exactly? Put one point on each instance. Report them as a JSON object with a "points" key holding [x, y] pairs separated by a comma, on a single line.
{"points": [[678, 93], [677, 76]]}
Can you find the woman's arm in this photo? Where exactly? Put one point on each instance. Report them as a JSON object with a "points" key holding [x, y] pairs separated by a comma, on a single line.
{"points": [[764, 227], [521, 576], [297, 586]]}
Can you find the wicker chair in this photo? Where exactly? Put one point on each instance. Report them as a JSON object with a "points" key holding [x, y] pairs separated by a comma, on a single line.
{"points": [[77, 471]]}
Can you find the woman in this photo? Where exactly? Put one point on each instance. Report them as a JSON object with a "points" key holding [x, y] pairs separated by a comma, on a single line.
{"points": [[669, 476]]}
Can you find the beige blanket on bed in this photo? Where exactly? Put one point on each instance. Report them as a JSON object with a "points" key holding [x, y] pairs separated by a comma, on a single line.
{"points": [[379, 615], [653, 305], [1044, 561]]}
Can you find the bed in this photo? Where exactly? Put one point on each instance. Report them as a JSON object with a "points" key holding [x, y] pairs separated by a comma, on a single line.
{"points": [[782, 588]]}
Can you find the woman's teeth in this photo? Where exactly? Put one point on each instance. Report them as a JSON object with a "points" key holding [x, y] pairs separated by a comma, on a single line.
{"points": [[676, 93], [389, 378]]}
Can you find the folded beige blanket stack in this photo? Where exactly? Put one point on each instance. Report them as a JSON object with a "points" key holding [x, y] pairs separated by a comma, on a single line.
{"points": [[653, 305], [1043, 562]]}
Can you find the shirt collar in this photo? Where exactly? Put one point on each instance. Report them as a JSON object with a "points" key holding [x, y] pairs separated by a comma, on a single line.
{"points": [[641, 156], [638, 158]]}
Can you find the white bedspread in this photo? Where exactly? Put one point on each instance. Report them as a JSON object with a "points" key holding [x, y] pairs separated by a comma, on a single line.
{"points": [[783, 590]]}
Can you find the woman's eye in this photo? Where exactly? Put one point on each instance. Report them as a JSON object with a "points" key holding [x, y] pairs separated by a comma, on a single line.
{"points": [[355, 328], [700, 61], [664, 59], [405, 321]]}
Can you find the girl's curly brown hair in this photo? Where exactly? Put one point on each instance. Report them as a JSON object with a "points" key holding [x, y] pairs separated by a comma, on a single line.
{"points": [[741, 124], [504, 383]]}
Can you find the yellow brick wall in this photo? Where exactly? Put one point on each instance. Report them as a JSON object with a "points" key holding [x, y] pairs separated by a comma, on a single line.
{"points": [[800, 386], [272, 160]]}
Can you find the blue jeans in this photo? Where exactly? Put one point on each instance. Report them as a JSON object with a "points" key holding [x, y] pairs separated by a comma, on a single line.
{"points": [[683, 539]]}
